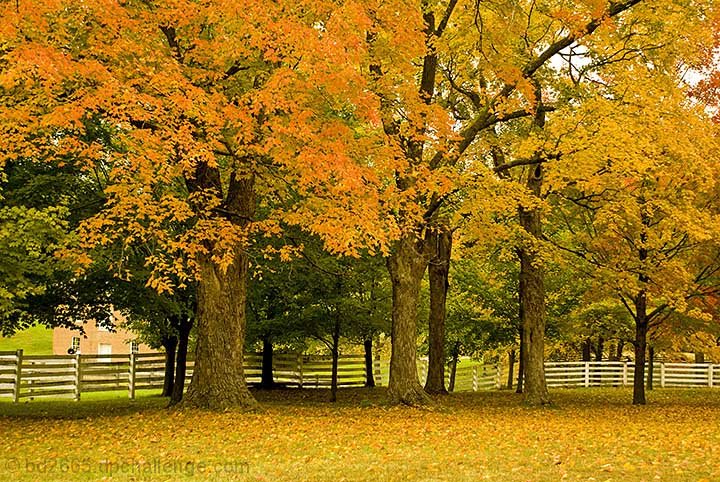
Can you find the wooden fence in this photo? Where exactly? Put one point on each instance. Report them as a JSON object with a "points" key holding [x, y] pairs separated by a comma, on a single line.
{"points": [[32, 376], [23, 376], [609, 373]]}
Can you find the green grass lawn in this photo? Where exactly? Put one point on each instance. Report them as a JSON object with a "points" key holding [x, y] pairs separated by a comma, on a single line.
{"points": [[589, 434], [36, 340]]}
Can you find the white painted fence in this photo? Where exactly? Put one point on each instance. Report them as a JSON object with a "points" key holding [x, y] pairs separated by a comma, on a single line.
{"points": [[23, 376], [609, 373]]}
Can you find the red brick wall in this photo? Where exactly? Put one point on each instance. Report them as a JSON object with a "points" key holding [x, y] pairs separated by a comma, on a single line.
{"points": [[119, 340]]}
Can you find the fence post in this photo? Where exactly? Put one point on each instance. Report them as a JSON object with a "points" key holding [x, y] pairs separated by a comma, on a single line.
{"points": [[624, 375], [376, 369], [474, 378], [498, 376], [77, 377], [131, 377], [299, 369], [18, 375], [710, 375], [587, 374], [662, 375]]}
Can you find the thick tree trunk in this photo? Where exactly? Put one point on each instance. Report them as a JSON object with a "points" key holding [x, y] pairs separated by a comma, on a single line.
{"points": [[218, 380], [438, 270], [699, 357], [169, 343], [532, 300], [511, 368], [406, 266], [640, 345], [453, 365], [266, 378], [521, 361], [185, 326], [335, 358], [369, 376], [586, 348]]}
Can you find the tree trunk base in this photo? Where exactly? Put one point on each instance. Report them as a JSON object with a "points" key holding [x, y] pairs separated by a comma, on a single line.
{"points": [[436, 391], [409, 394], [537, 399], [227, 398]]}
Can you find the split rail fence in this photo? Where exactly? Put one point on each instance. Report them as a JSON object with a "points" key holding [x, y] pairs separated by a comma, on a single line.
{"points": [[32, 376]]}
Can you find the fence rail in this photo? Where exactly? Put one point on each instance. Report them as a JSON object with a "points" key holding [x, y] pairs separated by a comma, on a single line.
{"points": [[32, 376]]}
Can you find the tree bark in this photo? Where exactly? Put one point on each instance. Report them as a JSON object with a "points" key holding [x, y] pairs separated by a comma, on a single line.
{"points": [[186, 323], [406, 266], [532, 300], [335, 358], [586, 350], [169, 343], [266, 379], [218, 380], [438, 270], [369, 376], [640, 345], [511, 368], [453, 366]]}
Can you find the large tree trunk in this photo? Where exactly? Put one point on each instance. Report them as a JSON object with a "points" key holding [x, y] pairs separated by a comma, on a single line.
{"points": [[532, 300], [266, 378], [640, 344], [218, 380], [186, 323], [169, 343], [406, 266], [369, 376], [438, 270]]}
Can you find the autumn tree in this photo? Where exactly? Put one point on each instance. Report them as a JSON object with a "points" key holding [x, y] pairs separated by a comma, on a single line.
{"points": [[650, 221], [213, 108], [478, 67]]}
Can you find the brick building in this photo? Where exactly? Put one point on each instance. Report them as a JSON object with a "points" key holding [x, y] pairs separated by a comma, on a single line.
{"points": [[98, 339]]}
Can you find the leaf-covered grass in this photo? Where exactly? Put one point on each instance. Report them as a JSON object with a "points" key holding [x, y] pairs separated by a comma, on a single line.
{"points": [[587, 435], [36, 340]]}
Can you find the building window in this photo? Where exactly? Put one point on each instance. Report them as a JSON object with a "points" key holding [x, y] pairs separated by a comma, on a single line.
{"points": [[74, 345], [134, 346]]}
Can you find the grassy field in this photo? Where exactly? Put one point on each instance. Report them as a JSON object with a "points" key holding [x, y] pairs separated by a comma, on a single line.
{"points": [[590, 434], [36, 340]]}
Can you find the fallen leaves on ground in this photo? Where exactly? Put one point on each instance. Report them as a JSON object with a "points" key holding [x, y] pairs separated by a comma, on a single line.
{"points": [[587, 435]]}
